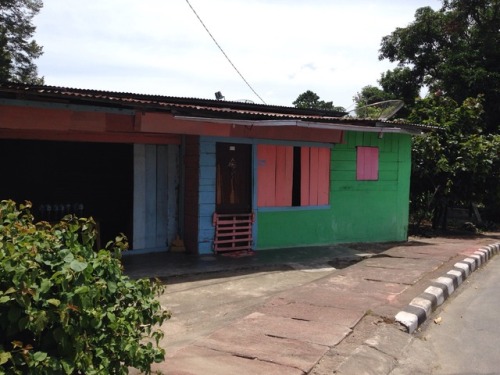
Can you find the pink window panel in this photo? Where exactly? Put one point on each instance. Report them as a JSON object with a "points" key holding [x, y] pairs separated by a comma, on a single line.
{"points": [[275, 175], [315, 176], [284, 175], [367, 163], [305, 185], [266, 169], [323, 175]]}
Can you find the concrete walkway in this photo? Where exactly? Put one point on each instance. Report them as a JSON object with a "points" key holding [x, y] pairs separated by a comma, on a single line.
{"points": [[306, 330]]}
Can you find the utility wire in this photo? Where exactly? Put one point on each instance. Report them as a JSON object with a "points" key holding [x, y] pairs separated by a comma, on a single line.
{"points": [[228, 59]]}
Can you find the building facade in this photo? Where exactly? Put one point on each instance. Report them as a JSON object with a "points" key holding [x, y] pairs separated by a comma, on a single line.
{"points": [[221, 176]]}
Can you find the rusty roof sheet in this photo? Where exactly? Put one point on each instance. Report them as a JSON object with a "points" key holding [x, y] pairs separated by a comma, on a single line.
{"points": [[190, 107]]}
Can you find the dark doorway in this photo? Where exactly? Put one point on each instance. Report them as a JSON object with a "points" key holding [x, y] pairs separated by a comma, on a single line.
{"points": [[87, 179], [234, 178]]}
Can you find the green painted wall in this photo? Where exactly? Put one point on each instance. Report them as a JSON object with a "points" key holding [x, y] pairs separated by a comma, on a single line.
{"points": [[360, 211]]}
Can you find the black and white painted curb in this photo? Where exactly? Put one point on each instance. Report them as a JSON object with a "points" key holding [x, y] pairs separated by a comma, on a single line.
{"points": [[421, 307]]}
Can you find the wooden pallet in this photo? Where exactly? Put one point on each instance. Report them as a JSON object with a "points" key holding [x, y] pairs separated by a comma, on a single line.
{"points": [[233, 232]]}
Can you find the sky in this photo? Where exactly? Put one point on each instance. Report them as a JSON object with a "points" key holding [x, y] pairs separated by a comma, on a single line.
{"points": [[281, 47]]}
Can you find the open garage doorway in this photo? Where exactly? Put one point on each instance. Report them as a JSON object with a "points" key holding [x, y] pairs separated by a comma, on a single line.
{"points": [[88, 179]]}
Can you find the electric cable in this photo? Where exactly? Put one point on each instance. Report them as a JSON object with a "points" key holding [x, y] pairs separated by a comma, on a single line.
{"points": [[224, 53]]}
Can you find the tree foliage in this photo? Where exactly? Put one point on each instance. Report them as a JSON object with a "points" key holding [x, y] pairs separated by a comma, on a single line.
{"points": [[456, 165], [370, 95], [311, 100], [66, 308], [400, 83], [18, 50], [454, 50]]}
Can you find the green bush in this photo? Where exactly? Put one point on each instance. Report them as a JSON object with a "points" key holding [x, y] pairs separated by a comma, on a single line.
{"points": [[66, 308]]}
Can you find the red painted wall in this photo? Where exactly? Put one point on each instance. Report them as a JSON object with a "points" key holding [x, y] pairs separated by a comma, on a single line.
{"points": [[24, 122]]}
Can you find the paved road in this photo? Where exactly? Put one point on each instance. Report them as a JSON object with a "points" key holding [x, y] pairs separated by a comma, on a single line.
{"points": [[466, 340]]}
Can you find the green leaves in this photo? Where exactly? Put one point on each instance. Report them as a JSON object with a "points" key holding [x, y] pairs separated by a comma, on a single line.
{"points": [[77, 266], [4, 357], [54, 302], [39, 356], [452, 50], [309, 99], [66, 307], [458, 164]]}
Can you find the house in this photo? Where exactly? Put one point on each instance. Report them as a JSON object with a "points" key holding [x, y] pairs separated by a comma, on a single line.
{"points": [[221, 175]]}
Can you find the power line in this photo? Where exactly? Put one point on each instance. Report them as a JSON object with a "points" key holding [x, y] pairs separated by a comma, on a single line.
{"points": [[228, 59]]}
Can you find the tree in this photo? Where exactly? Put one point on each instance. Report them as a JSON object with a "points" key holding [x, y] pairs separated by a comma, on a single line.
{"points": [[17, 48], [454, 53], [370, 95], [310, 100], [455, 50], [455, 165], [401, 83]]}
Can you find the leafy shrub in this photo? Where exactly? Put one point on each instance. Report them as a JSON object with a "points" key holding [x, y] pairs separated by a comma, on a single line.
{"points": [[66, 308]]}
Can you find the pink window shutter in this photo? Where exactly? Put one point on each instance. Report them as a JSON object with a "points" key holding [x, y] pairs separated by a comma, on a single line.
{"points": [[323, 176], [367, 163], [266, 175], [284, 175], [304, 176], [314, 174]]}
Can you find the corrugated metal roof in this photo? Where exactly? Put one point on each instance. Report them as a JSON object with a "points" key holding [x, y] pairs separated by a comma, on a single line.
{"points": [[191, 107]]}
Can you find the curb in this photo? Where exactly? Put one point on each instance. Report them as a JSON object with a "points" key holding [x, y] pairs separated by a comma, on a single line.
{"points": [[421, 307]]}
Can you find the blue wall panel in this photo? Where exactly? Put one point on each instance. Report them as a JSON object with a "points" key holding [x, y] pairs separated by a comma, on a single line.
{"points": [[206, 195]]}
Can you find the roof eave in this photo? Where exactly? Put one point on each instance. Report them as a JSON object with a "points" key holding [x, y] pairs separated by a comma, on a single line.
{"points": [[378, 128]]}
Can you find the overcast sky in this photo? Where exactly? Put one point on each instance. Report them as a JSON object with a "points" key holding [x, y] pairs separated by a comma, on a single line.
{"points": [[281, 47]]}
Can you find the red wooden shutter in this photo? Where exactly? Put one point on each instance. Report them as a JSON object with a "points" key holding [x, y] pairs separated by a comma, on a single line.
{"points": [[266, 169], [284, 175], [304, 176], [323, 176], [315, 176], [275, 175]]}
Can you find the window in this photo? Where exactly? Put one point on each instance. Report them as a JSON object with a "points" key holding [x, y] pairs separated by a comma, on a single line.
{"points": [[367, 163], [293, 176]]}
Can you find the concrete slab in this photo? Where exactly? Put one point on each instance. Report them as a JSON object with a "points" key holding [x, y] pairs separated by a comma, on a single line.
{"points": [[307, 312], [312, 332], [402, 263], [440, 257], [356, 283], [288, 352], [195, 360], [334, 298], [408, 277], [443, 254], [389, 340], [366, 361]]}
